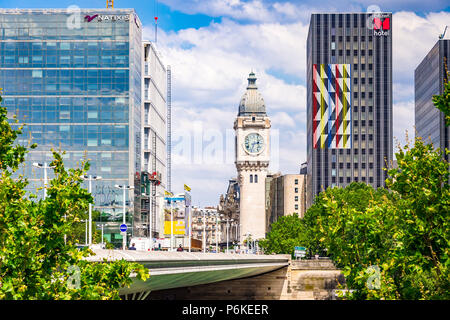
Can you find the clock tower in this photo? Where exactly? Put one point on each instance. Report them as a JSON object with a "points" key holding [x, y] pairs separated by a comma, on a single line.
{"points": [[252, 150]]}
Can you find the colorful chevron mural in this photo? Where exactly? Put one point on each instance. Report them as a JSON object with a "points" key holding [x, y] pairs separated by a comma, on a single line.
{"points": [[332, 116]]}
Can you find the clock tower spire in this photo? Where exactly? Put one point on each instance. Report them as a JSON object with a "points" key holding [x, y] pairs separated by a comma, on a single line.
{"points": [[252, 129]]}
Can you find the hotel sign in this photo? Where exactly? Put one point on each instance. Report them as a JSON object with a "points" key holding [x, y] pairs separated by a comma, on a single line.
{"points": [[381, 25]]}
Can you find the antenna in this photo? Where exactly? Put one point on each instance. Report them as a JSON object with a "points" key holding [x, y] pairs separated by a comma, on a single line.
{"points": [[110, 4], [156, 21], [443, 35]]}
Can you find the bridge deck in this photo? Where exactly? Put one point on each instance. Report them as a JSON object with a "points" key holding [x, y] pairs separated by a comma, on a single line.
{"points": [[181, 269]]}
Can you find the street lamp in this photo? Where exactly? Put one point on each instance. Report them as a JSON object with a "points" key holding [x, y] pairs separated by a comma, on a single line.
{"points": [[204, 232], [124, 188], [90, 178], [150, 231], [227, 220], [217, 225], [45, 167]]}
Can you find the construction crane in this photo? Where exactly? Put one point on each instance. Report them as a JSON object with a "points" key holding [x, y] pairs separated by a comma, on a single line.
{"points": [[443, 35], [109, 4]]}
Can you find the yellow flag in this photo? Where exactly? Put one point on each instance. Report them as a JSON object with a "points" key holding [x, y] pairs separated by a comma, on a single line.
{"points": [[167, 193], [186, 187]]}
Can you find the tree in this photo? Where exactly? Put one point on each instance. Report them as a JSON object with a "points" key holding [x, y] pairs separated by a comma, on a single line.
{"points": [[390, 243], [419, 264], [35, 262], [286, 233]]}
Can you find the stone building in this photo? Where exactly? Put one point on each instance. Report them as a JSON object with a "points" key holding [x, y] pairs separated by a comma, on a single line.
{"points": [[252, 128]]}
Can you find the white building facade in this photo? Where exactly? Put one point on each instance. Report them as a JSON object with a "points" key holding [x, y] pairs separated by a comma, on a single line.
{"points": [[154, 133]]}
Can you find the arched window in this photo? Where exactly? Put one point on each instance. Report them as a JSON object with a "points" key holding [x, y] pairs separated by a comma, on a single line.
{"points": [[256, 178], [251, 178]]}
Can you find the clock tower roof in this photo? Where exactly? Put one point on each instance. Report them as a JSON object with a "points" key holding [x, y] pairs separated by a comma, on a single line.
{"points": [[252, 101]]}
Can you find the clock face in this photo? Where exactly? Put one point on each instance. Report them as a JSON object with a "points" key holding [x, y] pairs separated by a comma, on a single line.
{"points": [[254, 143]]}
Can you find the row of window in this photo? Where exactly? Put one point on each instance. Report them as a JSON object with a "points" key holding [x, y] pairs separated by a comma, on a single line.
{"points": [[67, 76], [92, 46], [52, 102], [75, 61], [60, 31]]}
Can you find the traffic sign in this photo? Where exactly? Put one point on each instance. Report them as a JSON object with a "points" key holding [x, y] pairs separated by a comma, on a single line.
{"points": [[300, 252], [123, 228]]}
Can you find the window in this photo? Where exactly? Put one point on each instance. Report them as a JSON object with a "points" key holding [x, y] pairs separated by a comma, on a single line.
{"points": [[296, 207], [251, 178], [296, 198], [37, 73], [296, 181], [256, 178], [92, 115], [296, 190], [64, 115]]}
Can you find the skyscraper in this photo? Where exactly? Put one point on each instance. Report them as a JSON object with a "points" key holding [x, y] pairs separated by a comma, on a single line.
{"points": [[428, 81], [74, 77], [349, 102]]}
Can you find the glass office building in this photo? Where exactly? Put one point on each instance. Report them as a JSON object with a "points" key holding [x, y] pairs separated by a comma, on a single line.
{"points": [[74, 77], [349, 101], [429, 79]]}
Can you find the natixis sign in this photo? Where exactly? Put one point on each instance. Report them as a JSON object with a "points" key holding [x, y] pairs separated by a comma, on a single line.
{"points": [[107, 17], [110, 17]]}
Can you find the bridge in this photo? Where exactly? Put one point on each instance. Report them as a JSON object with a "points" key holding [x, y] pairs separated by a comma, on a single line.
{"points": [[170, 270]]}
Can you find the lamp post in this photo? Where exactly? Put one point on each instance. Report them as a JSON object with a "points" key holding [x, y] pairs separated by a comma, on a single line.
{"points": [[171, 225], [150, 231], [227, 221], [217, 226], [90, 178], [204, 232], [86, 232], [190, 229], [124, 188], [45, 167]]}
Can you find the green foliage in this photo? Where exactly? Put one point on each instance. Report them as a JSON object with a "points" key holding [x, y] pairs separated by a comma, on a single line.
{"points": [[442, 102], [419, 264], [35, 262], [285, 234], [389, 243]]}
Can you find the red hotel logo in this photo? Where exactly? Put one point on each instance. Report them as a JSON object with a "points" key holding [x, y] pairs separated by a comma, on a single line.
{"points": [[381, 26]]}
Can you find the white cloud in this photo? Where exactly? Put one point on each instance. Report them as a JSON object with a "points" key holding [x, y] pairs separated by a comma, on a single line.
{"points": [[283, 10], [282, 118], [403, 114], [413, 38]]}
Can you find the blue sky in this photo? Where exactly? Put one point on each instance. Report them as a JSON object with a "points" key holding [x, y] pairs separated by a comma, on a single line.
{"points": [[212, 45]]}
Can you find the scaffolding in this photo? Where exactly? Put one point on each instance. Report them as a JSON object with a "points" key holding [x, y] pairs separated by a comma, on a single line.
{"points": [[169, 129]]}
